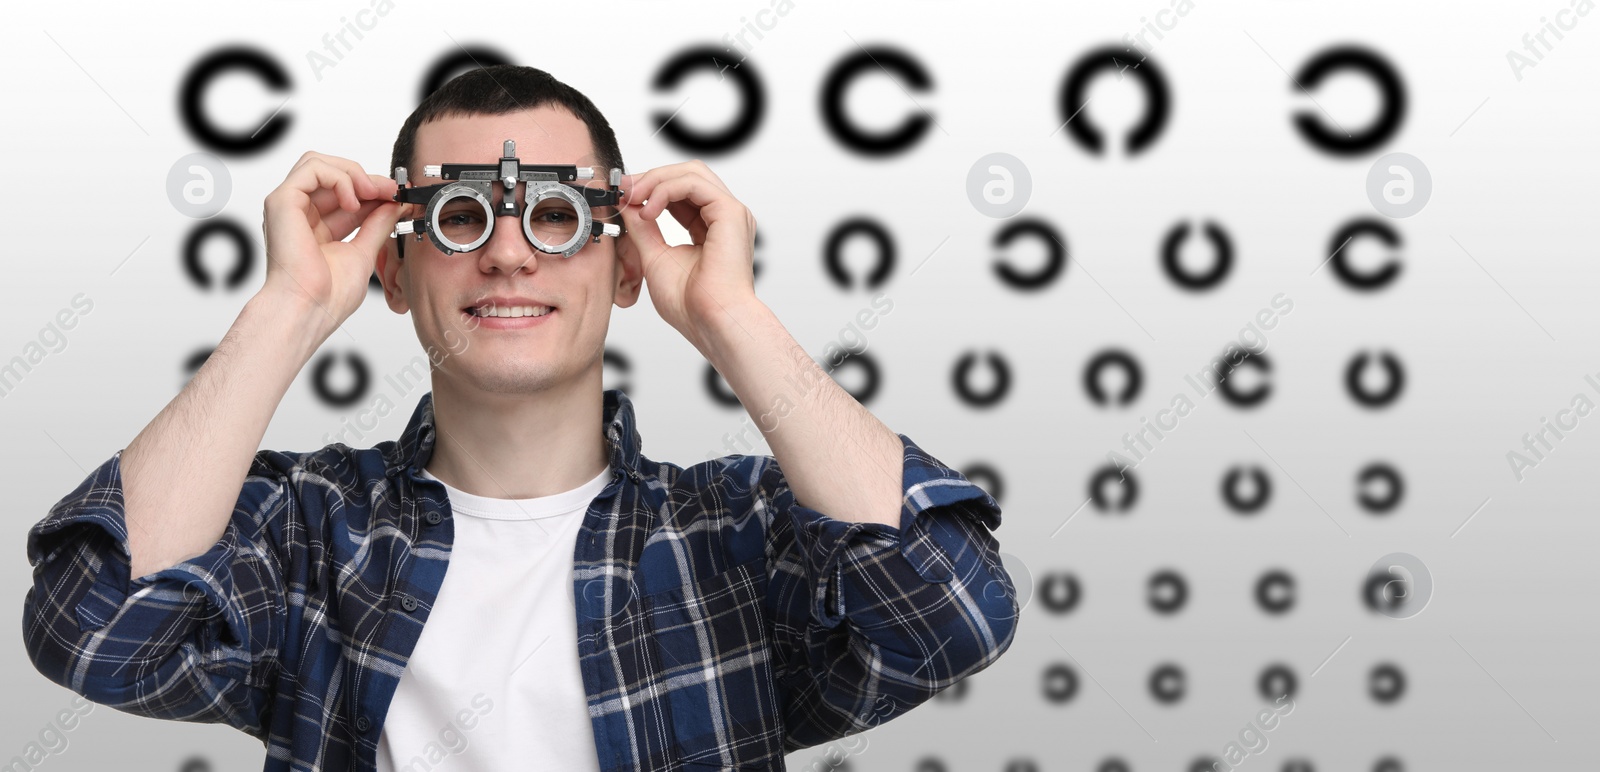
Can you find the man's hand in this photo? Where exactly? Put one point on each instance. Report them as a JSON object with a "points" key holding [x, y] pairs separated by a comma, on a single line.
{"points": [[691, 285], [837, 457], [305, 220]]}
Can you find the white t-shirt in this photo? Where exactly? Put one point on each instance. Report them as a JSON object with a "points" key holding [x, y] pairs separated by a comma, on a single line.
{"points": [[494, 682]]}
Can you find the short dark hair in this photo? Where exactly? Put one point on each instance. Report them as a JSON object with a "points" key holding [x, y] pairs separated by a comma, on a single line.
{"points": [[500, 89]]}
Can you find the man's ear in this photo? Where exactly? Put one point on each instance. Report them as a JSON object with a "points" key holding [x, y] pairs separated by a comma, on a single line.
{"points": [[630, 272], [389, 272]]}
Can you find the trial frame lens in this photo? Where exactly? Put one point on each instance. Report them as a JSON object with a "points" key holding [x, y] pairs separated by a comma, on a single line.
{"points": [[558, 184]]}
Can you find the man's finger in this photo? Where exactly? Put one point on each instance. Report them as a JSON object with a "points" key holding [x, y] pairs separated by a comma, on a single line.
{"points": [[376, 227], [703, 170], [688, 215], [341, 222], [688, 186], [316, 174], [644, 234]]}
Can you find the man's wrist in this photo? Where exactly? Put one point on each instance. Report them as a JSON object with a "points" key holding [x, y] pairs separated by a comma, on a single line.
{"points": [[305, 323], [731, 324]]}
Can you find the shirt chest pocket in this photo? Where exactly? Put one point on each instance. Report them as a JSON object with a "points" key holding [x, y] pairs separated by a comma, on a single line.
{"points": [[712, 640]]}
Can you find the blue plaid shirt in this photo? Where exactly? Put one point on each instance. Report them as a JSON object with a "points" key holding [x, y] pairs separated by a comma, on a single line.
{"points": [[720, 623]]}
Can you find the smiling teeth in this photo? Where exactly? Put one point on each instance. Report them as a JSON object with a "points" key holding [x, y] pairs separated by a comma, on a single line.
{"points": [[512, 312]]}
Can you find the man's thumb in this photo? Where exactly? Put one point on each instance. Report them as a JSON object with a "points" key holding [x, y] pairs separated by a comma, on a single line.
{"points": [[377, 227], [646, 234]]}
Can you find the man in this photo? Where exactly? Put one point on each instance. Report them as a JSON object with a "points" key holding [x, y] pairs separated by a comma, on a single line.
{"points": [[601, 610]]}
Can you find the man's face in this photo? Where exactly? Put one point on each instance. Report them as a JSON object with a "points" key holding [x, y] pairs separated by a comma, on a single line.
{"points": [[508, 356]]}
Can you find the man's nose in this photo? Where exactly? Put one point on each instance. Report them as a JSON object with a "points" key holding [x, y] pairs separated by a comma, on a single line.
{"points": [[508, 249]]}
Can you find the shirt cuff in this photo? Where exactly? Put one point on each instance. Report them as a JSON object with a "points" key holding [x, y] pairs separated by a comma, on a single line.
{"points": [[92, 520], [926, 485]]}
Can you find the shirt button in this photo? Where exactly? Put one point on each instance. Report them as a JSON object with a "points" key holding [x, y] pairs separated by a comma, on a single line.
{"points": [[362, 724], [432, 517], [408, 603]]}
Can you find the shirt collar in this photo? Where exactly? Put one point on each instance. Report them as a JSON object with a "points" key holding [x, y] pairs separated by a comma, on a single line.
{"points": [[617, 425]]}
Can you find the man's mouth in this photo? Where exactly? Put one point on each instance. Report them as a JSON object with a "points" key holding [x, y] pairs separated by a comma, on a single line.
{"points": [[508, 312]]}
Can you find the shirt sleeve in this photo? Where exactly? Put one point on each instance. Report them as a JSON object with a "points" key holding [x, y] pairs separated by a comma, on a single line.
{"points": [[872, 620], [198, 641]]}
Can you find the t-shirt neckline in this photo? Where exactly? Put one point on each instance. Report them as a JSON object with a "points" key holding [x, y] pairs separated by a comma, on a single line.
{"points": [[553, 505]]}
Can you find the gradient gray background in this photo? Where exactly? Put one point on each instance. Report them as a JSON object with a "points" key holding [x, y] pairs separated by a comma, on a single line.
{"points": [[1492, 317]]}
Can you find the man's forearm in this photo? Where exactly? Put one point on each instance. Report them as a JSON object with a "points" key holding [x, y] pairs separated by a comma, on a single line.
{"points": [[182, 474], [838, 457]]}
